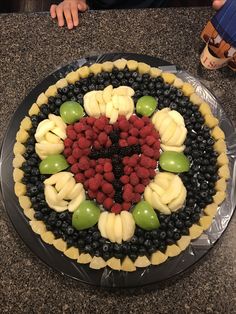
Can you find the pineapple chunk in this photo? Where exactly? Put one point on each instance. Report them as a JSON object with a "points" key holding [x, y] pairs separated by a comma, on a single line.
{"points": [[26, 124], [97, 263], [128, 265], [142, 261], [18, 161], [187, 89], [96, 68], [155, 72], [84, 258], [22, 136], [220, 185], [132, 65], [211, 209], [83, 71], [120, 64], [169, 78], [107, 66], [29, 213], [217, 133], [18, 175], [143, 68], [205, 222], [172, 250], [61, 83], [48, 237], [72, 77], [51, 91], [60, 245], [210, 120], [72, 253], [178, 83], [205, 109], [219, 197], [195, 99], [195, 231], [184, 242], [158, 257], [114, 263], [222, 159], [38, 226], [20, 189], [24, 201], [34, 110], [224, 172], [220, 146], [19, 148], [42, 99]]}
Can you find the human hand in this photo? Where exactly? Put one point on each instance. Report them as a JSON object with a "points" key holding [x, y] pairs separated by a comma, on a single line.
{"points": [[217, 4], [68, 10]]}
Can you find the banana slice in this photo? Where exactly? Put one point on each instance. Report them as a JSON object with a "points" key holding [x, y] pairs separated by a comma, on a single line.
{"points": [[102, 222], [107, 93], [118, 229], [177, 117], [173, 190], [179, 201], [157, 204], [128, 225], [109, 109], [114, 116], [74, 204], [169, 132], [173, 148], [156, 188], [64, 192], [110, 227]]}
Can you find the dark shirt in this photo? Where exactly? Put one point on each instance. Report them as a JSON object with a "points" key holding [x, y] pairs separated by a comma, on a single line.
{"points": [[124, 4]]}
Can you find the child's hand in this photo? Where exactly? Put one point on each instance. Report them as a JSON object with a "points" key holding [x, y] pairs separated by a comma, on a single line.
{"points": [[217, 4], [68, 10]]}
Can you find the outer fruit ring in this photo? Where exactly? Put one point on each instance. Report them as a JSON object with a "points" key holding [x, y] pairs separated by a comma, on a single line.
{"points": [[157, 257]]}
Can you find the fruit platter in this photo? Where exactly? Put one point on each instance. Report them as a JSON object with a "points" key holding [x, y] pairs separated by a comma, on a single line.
{"points": [[118, 170]]}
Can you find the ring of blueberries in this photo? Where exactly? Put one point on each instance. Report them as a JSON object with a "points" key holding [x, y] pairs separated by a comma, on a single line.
{"points": [[199, 181]]}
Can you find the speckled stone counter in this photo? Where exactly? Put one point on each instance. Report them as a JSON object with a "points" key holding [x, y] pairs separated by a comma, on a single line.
{"points": [[31, 47]]}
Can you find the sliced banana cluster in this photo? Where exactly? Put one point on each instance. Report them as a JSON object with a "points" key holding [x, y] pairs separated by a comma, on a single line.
{"points": [[170, 124], [49, 135], [116, 227], [62, 192], [166, 193], [110, 102]]}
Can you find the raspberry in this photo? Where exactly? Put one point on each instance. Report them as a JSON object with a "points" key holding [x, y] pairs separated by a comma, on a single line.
{"points": [[139, 188], [101, 161], [67, 151], [71, 160], [152, 173], [90, 120], [153, 164], [99, 168], [123, 125], [123, 135], [145, 181], [150, 140], [108, 128], [132, 161], [75, 145], [107, 188], [102, 138], [133, 179], [109, 176], [156, 154], [131, 140], [156, 145], [86, 151], [100, 197], [77, 153], [71, 134], [136, 198], [128, 196], [108, 143], [94, 184], [145, 161], [146, 120], [124, 179], [134, 132], [116, 208], [68, 142], [89, 134], [97, 145], [128, 187], [147, 130], [98, 177], [100, 124], [123, 143], [108, 203], [142, 172], [79, 177], [107, 167], [75, 168], [79, 127], [84, 163], [84, 143], [92, 163], [125, 160], [70, 127], [132, 119], [141, 141], [86, 184], [148, 151], [126, 206], [89, 173], [139, 124], [128, 170], [91, 194]]}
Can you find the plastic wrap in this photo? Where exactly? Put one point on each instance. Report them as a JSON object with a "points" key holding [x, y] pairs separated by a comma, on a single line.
{"points": [[107, 277]]}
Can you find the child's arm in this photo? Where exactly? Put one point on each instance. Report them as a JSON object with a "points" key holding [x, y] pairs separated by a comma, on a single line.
{"points": [[68, 10]]}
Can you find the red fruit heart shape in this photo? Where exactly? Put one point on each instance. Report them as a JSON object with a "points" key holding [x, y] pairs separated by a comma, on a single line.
{"points": [[114, 162]]}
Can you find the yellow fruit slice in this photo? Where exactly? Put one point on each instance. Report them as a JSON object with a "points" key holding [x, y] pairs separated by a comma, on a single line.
{"points": [[195, 99], [22, 136], [34, 109], [51, 91], [18, 161], [72, 253], [220, 146], [60, 245], [172, 250], [42, 99], [84, 258], [72, 77], [222, 159], [132, 65], [187, 89], [120, 64], [178, 82], [220, 185], [211, 209], [83, 71], [19, 188], [184, 242], [107, 66], [61, 83], [218, 133], [195, 231], [205, 109], [158, 258], [24, 201], [114, 263], [96, 68], [18, 175], [155, 72], [143, 68], [169, 78], [48, 237], [210, 120], [29, 213], [128, 265], [142, 261], [219, 197], [224, 172], [97, 263], [38, 226], [26, 124], [205, 222]]}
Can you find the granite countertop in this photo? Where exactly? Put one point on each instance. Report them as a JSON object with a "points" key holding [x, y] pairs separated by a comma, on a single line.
{"points": [[32, 46]]}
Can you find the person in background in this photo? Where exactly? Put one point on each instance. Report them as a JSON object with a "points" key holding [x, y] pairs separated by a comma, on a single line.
{"points": [[68, 10]]}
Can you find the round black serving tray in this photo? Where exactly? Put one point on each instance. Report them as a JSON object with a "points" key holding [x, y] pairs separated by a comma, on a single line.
{"points": [[57, 260]]}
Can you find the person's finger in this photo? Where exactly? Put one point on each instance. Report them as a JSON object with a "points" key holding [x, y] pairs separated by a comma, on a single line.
{"points": [[74, 13], [60, 18], [67, 13], [53, 11], [217, 4], [82, 6]]}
